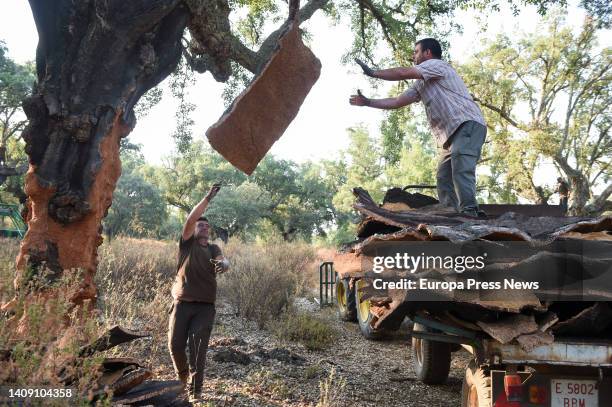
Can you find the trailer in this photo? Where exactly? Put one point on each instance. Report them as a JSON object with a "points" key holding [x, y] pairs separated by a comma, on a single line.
{"points": [[569, 372], [559, 353]]}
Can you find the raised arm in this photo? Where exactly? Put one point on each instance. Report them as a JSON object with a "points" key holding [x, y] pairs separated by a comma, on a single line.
{"points": [[398, 74], [388, 103], [391, 74], [197, 211]]}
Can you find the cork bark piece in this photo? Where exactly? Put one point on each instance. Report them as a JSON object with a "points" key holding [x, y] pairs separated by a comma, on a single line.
{"points": [[262, 113]]}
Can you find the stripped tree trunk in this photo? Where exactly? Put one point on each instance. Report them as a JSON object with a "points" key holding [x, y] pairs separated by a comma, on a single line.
{"points": [[94, 61]]}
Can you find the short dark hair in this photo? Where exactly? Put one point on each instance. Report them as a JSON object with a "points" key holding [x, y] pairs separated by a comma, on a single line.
{"points": [[431, 44], [202, 219]]}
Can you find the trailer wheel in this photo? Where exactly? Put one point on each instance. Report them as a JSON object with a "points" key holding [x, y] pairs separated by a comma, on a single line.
{"points": [[364, 316], [431, 359], [345, 298], [476, 387]]}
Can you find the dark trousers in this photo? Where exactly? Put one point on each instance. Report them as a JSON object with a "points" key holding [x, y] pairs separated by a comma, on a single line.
{"points": [[190, 326]]}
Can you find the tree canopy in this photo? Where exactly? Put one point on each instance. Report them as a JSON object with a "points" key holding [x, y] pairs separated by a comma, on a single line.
{"points": [[562, 80], [16, 83], [537, 73]]}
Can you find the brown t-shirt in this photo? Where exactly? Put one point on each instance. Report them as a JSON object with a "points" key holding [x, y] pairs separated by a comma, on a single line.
{"points": [[196, 279]]}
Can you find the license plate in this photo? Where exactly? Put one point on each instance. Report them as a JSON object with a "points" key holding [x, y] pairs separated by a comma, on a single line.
{"points": [[573, 393]]}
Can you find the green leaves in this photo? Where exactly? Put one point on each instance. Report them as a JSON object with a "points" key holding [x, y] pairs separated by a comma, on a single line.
{"points": [[16, 83], [546, 96], [294, 199], [181, 80], [138, 208]]}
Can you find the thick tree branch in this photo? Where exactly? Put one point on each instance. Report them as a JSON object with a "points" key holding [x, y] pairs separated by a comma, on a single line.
{"points": [[596, 151], [600, 203], [179, 205], [499, 111], [380, 18], [214, 45], [599, 173], [269, 45]]}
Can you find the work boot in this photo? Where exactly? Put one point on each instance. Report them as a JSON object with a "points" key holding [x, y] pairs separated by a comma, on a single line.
{"points": [[474, 213], [184, 378], [482, 214]]}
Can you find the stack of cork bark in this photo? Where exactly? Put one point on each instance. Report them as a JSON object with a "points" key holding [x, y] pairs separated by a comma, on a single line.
{"points": [[580, 304]]}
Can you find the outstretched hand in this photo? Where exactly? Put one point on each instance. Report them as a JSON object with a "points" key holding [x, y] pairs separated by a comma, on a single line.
{"points": [[219, 266], [213, 192], [359, 99], [366, 69]]}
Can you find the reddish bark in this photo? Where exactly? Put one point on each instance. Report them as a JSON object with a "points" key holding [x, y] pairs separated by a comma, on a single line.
{"points": [[75, 243]]}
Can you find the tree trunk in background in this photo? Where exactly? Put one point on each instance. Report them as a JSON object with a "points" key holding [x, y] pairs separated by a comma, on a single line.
{"points": [[94, 61], [579, 189]]}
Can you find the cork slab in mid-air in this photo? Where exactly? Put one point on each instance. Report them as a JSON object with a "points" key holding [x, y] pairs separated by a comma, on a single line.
{"points": [[264, 110]]}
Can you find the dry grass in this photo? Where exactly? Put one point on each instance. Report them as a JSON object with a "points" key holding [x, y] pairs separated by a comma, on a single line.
{"points": [[331, 390], [264, 279], [312, 332], [267, 383], [134, 279], [36, 348], [8, 252]]}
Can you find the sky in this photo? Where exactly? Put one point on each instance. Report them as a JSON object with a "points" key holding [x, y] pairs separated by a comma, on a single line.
{"points": [[319, 131]]}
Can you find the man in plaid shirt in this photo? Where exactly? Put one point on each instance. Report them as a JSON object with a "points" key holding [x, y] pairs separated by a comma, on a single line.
{"points": [[455, 120]]}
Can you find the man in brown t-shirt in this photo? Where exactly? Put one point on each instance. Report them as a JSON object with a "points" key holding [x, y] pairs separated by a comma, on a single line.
{"points": [[194, 292]]}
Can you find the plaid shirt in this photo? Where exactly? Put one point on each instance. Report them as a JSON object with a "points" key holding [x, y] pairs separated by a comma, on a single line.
{"points": [[446, 98]]}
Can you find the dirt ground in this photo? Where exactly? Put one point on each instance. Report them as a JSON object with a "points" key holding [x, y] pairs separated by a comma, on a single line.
{"points": [[251, 367]]}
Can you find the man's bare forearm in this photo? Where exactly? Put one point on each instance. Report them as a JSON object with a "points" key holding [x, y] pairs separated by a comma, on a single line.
{"points": [[386, 104], [193, 216], [198, 210], [398, 74]]}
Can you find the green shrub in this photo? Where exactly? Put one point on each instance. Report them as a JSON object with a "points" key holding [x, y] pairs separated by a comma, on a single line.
{"points": [[267, 383], [312, 332], [313, 371]]}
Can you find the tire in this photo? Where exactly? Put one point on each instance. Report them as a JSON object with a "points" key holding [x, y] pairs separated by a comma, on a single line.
{"points": [[431, 359], [476, 387], [345, 299], [364, 316]]}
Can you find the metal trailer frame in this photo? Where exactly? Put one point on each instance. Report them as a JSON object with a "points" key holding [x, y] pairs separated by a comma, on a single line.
{"points": [[19, 226], [565, 358], [327, 284]]}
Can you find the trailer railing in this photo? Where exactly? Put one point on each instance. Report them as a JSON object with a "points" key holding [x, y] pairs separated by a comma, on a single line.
{"points": [[327, 284]]}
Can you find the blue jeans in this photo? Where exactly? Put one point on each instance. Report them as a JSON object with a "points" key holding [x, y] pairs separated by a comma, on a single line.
{"points": [[456, 176]]}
